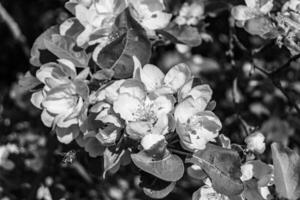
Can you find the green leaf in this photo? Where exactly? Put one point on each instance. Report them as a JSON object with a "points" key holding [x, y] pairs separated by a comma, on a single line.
{"points": [[170, 168], [63, 47], [222, 166], [286, 171], [131, 41], [28, 82], [182, 34], [112, 161], [38, 53], [251, 191], [71, 28], [159, 193]]}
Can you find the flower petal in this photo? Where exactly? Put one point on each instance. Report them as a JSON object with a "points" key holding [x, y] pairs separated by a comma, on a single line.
{"points": [[186, 109], [163, 104], [127, 106], [37, 98], [252, 3], [243, 13], [137, 130], [158, 20], [47, 119], [267, 7], [58, 106], [162, 125], [152, 77], [185, 90], [67, 135], [177, 76], [134, 88], [68, 67]]}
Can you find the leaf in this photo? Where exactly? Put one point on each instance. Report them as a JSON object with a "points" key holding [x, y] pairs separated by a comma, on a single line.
{"points": [[170, 168], [131, 41], [182, 34], [63, 47], [286, 171], [222, 166], [38, 48], [112, 161], [28, 82], [159, 189], [71, 28], [251, 191]]}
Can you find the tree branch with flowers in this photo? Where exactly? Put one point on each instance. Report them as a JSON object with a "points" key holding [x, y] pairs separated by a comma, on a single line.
{"points": [[95, 86]]}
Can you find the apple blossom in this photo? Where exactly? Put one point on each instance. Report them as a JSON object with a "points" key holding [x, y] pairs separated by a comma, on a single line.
{"points": [[63, 98], [98, 18], [143, 114], [150, 14], [190, 14], [157, 82], [256, 142], [252, 9], [195, 126]]}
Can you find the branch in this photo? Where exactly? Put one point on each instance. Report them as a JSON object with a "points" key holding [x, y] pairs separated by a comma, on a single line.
{"points": [[271, 75], [15, 29], [285, 66]]}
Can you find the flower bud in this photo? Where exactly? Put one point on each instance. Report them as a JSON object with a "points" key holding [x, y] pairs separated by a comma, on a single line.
{"points": [[256, 142]]}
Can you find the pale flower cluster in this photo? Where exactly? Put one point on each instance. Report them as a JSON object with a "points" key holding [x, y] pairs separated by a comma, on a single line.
{"points": [[5, 151], [98, 17], [190, 14]]}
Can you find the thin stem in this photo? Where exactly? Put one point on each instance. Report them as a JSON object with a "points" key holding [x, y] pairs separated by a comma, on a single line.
{"points": [[271, 76], [15, 29], [180, 152], [285, 66]]}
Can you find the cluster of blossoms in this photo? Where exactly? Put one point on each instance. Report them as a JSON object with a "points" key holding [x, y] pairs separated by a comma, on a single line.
{"points": [[101, 92], [146, 107], [257, 18]]}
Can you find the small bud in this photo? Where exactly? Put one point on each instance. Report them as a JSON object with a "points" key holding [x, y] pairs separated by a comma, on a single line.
{"points": [[256, 142], [247, 172]]}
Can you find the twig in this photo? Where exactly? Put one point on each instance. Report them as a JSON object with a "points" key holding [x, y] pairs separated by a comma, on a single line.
{"points": [[15, 29], [271, 75], [180, 152], [285, 66]]}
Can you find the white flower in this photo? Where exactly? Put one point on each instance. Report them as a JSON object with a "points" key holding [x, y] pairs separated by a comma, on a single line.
{"points": [[259, 170], [252, 9], [293, 5], [247, 171], [150, 14], [99, 17], [151, 141], [190, 14], [256, 142], [195, 126], [63, 98], [143, 114], [157, 82], [265, 192]]}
